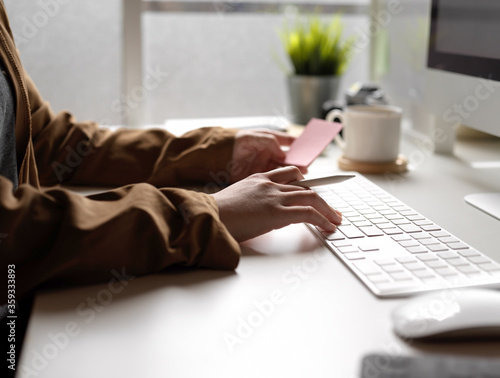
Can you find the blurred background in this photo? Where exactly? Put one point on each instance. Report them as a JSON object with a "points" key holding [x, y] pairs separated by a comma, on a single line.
{"points": [[220, 56]]}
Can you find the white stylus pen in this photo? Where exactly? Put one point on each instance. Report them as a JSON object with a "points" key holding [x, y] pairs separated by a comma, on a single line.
{"points": [[309, 183]]}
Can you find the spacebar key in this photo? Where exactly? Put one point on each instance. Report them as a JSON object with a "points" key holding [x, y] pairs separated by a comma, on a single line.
{"points": [[351, 232]]}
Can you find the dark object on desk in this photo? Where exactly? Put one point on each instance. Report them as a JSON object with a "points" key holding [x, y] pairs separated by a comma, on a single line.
{"points": [[330, 105], [365, 94], [357, 94], [387, 366]]}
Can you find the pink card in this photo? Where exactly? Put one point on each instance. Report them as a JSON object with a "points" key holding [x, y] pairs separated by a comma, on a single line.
{"points": [[313, 140]]}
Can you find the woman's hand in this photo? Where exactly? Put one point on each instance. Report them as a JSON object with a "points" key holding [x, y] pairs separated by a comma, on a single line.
{"points": [[265, 201], [258, 151]]}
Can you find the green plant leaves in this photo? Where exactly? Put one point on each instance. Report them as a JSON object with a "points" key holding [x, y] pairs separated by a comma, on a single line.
{"points": [[316, 48]]}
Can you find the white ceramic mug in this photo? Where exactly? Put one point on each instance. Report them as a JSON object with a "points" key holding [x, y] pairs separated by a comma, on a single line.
{"points": [[370, 133]]}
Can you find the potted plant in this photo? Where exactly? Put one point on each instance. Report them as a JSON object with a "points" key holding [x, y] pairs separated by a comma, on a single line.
{"points": [[318, 56]]}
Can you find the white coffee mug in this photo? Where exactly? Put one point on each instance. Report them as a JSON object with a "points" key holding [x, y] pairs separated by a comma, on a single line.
{"points": [[370, 133]]}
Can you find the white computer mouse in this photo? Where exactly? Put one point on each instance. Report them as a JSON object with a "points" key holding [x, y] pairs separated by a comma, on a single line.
{"points": [[451, 313]]}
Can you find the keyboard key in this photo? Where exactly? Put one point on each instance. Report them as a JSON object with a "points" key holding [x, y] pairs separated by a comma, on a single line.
{"points": [[367, 268], [407, 212], [448, 255], [469, 253], [430, 241], [383, 226], [401, 237], [351, 213], [355, 218], [421, 235], [373, 216], [392, 202], [468, 269], [392, 231], [405, 259], [401, 208], [415, 217], [437, 247], [354, 256], [431, 227], [446, 272], [448, 239], [434, 282], [380, 207], [458, 245], [388, 288], [388, 211], [363, 223], [333, 235], [378, 278], [436, 264], [361, 206], [458, 262], [393, 268], [439, 234], [341, 243], [480, 275], [477, 259], [427, 257], [369, 248], [400, 221], [371, 231], [394, 216], [424, 222], [367, 211], [343, 209], [351, 232], [424, 273], [400, 276], [382, 262], [415, 250], [409, 228], [414, 266], [409, 243], [348, 249], [489, 267]]}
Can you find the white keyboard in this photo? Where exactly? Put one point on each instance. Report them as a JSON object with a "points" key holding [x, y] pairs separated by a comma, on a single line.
{"points": [[394, 250]]}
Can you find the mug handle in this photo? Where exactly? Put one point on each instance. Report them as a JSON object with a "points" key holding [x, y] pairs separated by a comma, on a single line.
{"points": [[336, 113]]}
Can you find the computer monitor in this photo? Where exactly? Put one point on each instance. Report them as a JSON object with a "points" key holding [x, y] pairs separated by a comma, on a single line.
{"points": [[463, 72]]}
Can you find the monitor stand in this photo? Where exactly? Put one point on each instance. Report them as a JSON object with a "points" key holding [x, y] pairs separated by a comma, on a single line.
{"points": [[487, 202]]}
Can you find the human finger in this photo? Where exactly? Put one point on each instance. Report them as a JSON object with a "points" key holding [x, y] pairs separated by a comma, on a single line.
{"points": [[262, 162], [283, 138], [309, 197], [270, 143], [284, 175], [308, 214]]}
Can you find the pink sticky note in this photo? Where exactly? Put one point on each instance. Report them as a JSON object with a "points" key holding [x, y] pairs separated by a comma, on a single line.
{"points": [[313, 140]]}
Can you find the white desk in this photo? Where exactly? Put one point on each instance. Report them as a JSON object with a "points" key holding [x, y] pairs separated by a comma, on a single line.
{"points": [[323, 322]]}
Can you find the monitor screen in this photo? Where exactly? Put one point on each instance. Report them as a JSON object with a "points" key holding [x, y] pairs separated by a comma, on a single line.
{"points": [[464, 37]]}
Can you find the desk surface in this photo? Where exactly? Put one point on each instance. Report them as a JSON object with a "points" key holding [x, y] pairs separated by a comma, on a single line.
{"points": [[291, 309]]}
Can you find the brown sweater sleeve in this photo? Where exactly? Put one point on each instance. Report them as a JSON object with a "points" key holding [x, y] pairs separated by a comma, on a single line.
{"points": [[60, 238], [54, 236]]}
